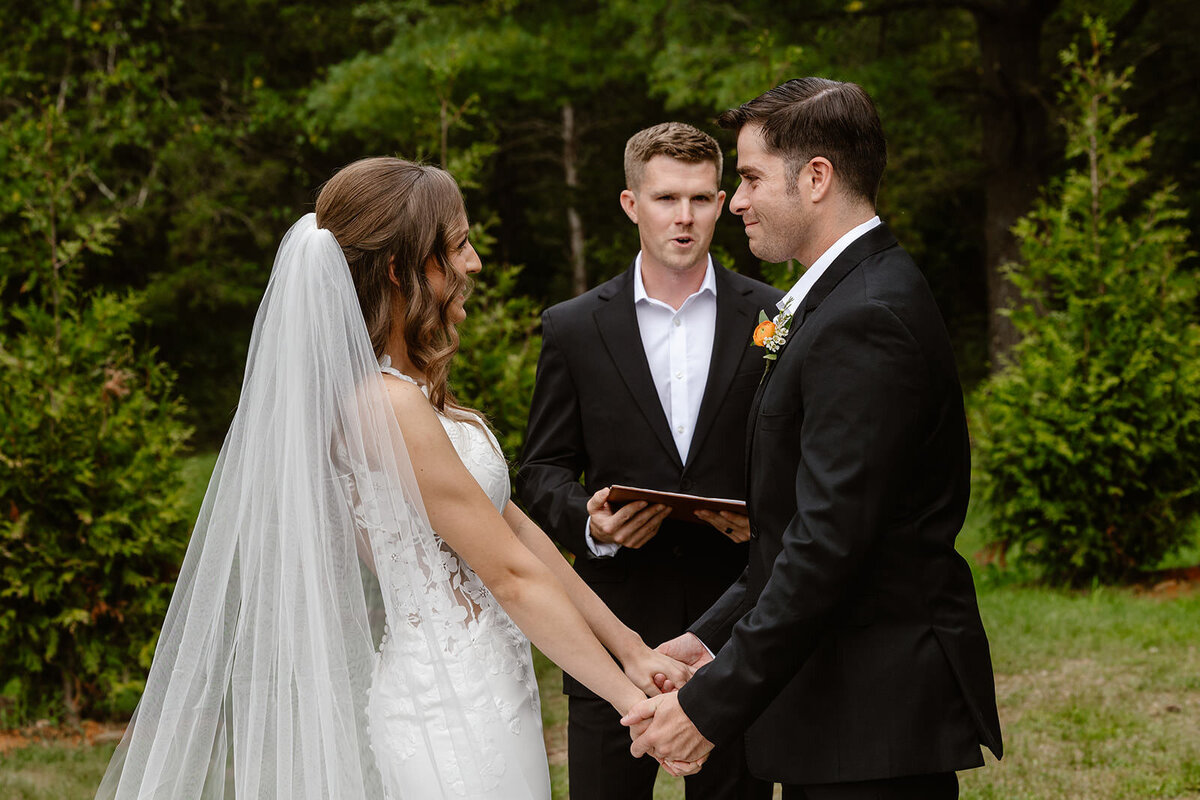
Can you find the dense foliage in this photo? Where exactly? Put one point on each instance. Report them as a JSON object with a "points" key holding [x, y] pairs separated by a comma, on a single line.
{"points": [[497, 357], [1089, 440], [92, 527]]}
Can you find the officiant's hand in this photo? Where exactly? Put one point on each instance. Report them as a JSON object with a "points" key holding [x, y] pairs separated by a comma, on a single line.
{"points": [[631, 525], [735, 526], [687, 650], [670, 737]]}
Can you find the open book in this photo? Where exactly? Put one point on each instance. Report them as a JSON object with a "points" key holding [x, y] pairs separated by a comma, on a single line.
{"points": [[682, 505]]}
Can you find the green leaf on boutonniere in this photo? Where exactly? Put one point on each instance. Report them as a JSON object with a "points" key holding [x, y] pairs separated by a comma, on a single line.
{"points": [[762, 317]]}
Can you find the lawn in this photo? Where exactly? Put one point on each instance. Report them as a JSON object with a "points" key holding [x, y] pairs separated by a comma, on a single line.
{"points": [[1099, 696]]}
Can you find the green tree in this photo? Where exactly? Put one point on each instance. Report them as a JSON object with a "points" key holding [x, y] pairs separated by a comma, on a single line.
{"points": [[93, 525], [1088, 440]]}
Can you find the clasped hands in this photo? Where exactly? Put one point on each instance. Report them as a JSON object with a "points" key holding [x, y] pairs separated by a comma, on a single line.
{"points": [[659, 726]]}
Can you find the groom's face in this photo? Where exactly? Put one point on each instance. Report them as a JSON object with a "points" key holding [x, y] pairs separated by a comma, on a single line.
{"points": [[676, 208], [777, 220]]}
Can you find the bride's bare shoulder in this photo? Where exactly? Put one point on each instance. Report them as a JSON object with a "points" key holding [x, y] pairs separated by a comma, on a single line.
{"points": [[412, 408]]}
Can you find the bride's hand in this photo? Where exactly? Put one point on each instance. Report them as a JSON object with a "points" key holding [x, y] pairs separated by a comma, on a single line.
{"points": [[650, 670]]}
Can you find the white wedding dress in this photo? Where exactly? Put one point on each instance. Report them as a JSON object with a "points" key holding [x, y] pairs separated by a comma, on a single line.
{"points": [[322, 642], [485, 656]]}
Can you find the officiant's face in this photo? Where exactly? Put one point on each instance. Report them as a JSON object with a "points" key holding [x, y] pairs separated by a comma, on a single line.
{"points": [[676, 209], [777, 221]]}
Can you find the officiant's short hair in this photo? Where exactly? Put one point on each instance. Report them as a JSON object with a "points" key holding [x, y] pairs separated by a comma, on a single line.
{"points": [[676, 140], [809, 117]]}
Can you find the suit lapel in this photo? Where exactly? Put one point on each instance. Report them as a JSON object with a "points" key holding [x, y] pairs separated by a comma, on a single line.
{"points": [[618, 326], [752, 424], [734, 315], [873, 241]]}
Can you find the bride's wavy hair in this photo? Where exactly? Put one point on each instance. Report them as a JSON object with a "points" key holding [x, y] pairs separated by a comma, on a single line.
{"points": [[387, 210]]}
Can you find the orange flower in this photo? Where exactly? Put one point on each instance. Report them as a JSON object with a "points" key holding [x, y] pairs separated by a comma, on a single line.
{"points": [[764, 331]]}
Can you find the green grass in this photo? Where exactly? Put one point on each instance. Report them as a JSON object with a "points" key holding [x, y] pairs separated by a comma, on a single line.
{"points": [[53, 772], [1099, 695], [196, 471]]}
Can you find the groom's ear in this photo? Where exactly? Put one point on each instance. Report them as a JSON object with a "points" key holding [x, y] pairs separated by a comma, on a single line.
{"points": [[817, 178], [629, 204]]}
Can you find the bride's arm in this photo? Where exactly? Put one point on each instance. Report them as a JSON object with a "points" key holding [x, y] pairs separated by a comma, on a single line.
{"points": [[640, 662], [465, 518]]}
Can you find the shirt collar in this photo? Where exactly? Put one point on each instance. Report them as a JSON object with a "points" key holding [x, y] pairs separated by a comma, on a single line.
{"points": [[709, 284], [800, 288]]}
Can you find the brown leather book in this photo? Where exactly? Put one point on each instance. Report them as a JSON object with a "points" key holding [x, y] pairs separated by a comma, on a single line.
{"points": [[682, 505]]}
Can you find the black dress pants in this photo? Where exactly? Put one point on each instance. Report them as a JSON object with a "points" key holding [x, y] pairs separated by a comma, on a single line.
{"points": [[938, 786], [601, 767]]}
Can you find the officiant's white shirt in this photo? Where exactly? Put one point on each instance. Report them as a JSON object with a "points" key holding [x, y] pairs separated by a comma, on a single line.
{"points": [[678, 346]]}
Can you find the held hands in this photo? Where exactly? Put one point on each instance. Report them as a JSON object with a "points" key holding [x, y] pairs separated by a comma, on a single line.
{"points": [[632, 525], [660, 727], [689, 651], [735, 526], [651, 670]]}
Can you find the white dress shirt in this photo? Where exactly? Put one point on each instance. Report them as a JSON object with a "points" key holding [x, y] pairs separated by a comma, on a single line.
{"points": [[795, 296], [678, 346]]}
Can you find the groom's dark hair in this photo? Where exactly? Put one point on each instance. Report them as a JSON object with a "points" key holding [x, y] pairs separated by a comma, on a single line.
{"points": [[809, 117]]}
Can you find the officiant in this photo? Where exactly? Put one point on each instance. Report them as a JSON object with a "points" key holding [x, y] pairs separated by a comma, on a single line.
{"points": [[647, 380]]}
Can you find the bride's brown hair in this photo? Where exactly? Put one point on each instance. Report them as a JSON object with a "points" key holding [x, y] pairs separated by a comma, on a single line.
{"points": [[385, 211]]}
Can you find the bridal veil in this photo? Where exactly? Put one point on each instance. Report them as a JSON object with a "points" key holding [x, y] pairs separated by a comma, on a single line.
{"points": [[260, 679]]}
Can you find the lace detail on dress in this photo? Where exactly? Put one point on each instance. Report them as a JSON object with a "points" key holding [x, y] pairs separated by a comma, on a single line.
{"points": [[484, 656]]}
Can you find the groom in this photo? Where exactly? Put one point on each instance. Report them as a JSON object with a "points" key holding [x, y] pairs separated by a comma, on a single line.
{"points": [[851, 653]]}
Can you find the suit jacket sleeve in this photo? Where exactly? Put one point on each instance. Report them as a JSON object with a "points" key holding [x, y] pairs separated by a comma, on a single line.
{"points": [[548, 479], [860, 396], [715, 625]]}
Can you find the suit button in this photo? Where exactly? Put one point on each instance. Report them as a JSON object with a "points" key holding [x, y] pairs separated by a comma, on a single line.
{"points": [[677, 551], [685, 484]]}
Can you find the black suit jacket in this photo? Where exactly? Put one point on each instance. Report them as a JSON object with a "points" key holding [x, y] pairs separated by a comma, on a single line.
{"points": [[595, 412], [851, 648]]}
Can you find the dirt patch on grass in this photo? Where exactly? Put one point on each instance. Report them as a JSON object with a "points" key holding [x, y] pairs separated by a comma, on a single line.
{"points": [[43, 732], [1095, 729], [1170, 583]]}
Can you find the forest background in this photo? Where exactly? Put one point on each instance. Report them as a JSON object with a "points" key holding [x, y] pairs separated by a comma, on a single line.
{"points": [[155, 152], [200, 130]]}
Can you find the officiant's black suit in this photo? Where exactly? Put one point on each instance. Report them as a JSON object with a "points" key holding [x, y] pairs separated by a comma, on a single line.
{"points": [[596, 413], [851, 648]]}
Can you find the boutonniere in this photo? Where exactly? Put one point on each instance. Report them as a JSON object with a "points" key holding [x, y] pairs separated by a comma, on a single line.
{"points": [[773, 333]]}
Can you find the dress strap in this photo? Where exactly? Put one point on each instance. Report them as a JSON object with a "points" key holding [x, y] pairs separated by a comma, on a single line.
{"points": [[385, 366], [398, 374]]}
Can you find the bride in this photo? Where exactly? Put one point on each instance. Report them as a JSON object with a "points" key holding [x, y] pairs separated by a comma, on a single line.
{"points": [[350, 620]]}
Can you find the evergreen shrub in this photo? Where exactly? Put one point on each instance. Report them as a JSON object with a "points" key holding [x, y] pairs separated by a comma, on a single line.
{"points": [[1088, 440]]}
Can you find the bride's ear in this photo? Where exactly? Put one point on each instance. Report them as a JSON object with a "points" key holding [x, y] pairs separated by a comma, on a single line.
{"points": [[392, 271]]}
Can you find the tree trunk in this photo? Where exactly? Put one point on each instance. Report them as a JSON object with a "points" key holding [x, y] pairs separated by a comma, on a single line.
{"points": [[70, 703], [579, 283], [1015, 125]]}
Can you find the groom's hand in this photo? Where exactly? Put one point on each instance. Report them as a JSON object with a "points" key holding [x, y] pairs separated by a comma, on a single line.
{"points": [[631, 525], [686, 649], [670, 737]]}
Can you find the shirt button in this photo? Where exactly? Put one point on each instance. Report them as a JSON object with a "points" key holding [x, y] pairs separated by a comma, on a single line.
{"points": [[679, 428], [678, 322], [679, 374]]}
